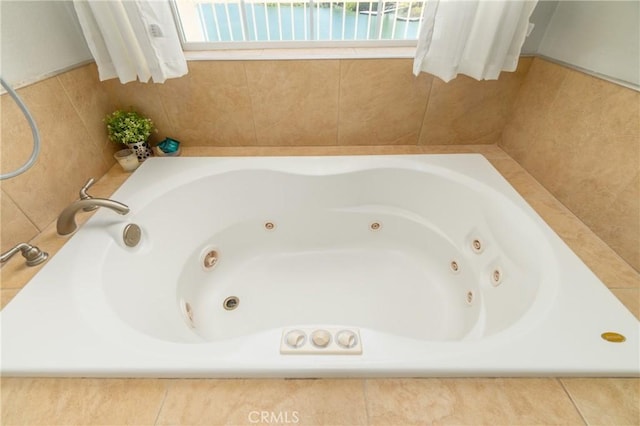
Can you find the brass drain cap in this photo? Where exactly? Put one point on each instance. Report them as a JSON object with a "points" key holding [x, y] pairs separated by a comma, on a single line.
{"points": [[611, 336]]}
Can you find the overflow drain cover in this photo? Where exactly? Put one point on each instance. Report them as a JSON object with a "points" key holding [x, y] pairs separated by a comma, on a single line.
{"points": [[131, 235]]}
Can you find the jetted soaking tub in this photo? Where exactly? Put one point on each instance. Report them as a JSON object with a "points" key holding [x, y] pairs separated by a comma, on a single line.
{"points": [[426, 265]]}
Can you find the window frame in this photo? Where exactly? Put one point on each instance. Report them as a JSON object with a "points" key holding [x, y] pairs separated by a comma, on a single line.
{"points": [[333, 48]]}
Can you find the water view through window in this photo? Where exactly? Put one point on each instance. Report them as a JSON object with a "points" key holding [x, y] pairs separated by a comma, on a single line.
{"points": [[229, 21]]}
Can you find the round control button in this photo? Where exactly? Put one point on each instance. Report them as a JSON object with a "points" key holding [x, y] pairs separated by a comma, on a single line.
{"points": [[346, 339], [295, 338], [321, 338]]}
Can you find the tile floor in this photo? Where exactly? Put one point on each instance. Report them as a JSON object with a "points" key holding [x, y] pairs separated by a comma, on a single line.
{"points": [[459, 401]]}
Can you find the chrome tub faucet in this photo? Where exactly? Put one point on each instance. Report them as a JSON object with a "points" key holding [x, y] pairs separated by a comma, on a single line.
{"points": [[67, 220]]}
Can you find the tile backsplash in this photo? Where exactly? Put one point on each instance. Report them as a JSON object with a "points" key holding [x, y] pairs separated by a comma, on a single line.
{"points": [[338, 102], [320, 102]]}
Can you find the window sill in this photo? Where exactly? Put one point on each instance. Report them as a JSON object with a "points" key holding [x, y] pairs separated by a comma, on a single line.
{"points": [[302, 54]]}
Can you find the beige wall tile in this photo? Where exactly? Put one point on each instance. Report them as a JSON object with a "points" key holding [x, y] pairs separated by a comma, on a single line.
{"points": [[606, 401], [68, 154], [321, 102], [488, 139], [523, 133], [469, 402], [595, 171], [210, 105], [314, 402], [81, 401], [466, 110], [618, 222], [301, 150], [92, 104], [579, 136], [294, 102], [381, 102], [15, 227], [491, 152]]}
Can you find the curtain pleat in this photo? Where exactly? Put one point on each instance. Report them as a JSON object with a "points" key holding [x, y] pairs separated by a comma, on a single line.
{"points": [[478, 38], [132, 39]]}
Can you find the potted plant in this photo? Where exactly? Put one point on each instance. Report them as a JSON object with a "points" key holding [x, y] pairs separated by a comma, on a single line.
{"points": [[132, 129]]}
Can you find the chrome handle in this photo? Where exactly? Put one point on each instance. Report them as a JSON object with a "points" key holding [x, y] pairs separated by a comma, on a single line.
{"points": [[85, 196], [33, 255], [10, 253], [85, 188]]}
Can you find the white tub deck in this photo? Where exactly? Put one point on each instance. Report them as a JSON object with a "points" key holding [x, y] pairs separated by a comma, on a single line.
{"points": [[100, 309]]}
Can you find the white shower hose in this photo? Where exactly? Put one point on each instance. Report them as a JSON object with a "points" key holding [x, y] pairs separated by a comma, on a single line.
{"points": [[34, 130]]}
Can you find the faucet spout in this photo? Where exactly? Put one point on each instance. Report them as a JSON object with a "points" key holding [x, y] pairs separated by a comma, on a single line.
{"points": [[67, 220]]}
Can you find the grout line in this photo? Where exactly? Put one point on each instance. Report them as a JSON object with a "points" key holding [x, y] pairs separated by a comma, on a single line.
{"points": [[253, 112], [516, 97], [338, 106], [97, 143], [170, 118], [166, 391], [584, 420], [424, 115], [39, 231], [572, 401], [366, 400], [74, 106]]}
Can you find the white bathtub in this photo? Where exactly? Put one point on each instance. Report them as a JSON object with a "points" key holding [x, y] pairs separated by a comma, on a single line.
{"points": [[427, 265]]}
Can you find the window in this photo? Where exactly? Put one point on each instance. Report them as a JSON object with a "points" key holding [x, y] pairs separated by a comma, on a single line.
{"points": [[237, 24]]}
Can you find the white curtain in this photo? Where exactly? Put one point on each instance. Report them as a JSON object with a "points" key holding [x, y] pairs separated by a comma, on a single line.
{"points": [[132, 39], [479, 38]]}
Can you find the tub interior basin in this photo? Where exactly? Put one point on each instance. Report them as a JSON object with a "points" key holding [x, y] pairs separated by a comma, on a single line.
{"points": [[331, 268]]}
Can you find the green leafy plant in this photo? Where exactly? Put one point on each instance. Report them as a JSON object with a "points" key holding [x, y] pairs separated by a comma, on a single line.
{"points": [[128, 126]]}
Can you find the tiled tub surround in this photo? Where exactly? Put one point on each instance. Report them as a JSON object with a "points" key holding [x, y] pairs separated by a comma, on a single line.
{"points": [[323, 102], [392, 402], [561, 117], [579, 136], [68, 110]]}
